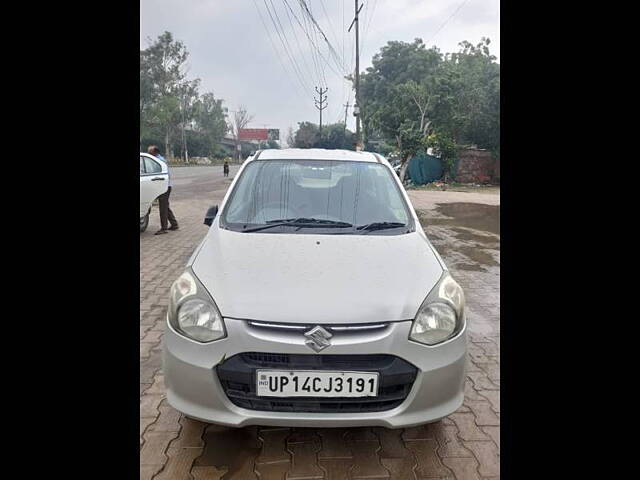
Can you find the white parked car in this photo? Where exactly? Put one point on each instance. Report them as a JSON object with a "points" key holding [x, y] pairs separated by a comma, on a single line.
{"points": [[154, 181], [315, 300]]}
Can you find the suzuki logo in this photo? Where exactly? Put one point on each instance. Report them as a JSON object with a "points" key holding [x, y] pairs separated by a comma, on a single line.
{"points": [[317, 338]]}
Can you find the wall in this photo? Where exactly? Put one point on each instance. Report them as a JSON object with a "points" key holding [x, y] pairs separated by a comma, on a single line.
{"points": [[475, 166]]}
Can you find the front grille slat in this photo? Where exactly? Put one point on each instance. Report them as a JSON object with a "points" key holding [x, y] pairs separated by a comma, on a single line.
{"points": [[237, 377], [347, 328], [243, 396]]}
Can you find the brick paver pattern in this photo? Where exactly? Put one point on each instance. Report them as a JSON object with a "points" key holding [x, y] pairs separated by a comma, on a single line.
{"points": [[465, 445]]}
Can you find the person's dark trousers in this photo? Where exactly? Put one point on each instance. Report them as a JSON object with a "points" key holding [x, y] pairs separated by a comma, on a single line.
{"points": [[166, 215]]}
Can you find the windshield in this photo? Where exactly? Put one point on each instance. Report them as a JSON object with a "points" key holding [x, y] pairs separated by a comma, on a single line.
{"points": [[321, 196]]}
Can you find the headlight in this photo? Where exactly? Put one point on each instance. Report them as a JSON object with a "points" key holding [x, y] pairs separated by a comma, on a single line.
{"points": [[441, 315], [192, 312]]}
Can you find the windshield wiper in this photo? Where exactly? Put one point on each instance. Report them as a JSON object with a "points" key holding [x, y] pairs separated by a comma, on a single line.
{"points": [[300, 222], [370, 227]]}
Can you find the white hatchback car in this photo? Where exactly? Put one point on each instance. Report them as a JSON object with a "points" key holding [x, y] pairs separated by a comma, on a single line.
{"points": [[154, 181], [315, 299]]}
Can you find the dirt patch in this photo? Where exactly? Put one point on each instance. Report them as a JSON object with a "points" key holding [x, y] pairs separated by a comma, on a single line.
{"points": [[467, 235], [478, 255], [470, 267], [476, 216], [463, 233]]}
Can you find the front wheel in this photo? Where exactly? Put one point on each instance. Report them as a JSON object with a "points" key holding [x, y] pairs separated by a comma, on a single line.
{"points": [[144, 222]]}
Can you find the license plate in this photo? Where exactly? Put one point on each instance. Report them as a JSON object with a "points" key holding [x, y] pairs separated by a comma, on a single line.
{"points": [[316, 383]]}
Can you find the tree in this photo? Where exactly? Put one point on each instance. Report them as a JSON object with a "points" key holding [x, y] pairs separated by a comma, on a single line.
{"points": [[443, 146], [334, 136], [423, 97], [187, 92], [415, 97], [241, 119], [307, 135], [161, 67], [291, 139], [478, 95], [172, 111], [147, 95], [397, 95], [211, 120]]}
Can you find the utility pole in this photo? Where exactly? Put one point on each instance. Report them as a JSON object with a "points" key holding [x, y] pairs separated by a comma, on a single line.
{"points": [[321, 105], [346, 109], [356, 106]]}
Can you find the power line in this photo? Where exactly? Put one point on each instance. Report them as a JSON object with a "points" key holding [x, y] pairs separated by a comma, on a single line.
{"points": [[314, 55], [309, 38], [446, 21], [335, 37], [276, 50], [368, 23], [332, 51], [293, 64], [343, 35], [295, 35], [285, 43], [309, 25]]}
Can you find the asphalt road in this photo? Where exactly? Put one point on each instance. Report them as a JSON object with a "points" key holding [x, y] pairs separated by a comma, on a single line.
{"points": [[190, 182]]}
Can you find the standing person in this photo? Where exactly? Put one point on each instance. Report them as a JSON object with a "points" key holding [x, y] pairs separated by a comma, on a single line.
{"points": [[226, 168], [166, 215]]}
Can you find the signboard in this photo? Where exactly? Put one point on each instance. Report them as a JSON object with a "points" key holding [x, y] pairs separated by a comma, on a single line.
{"points": [[247, 134], [253, 134]]}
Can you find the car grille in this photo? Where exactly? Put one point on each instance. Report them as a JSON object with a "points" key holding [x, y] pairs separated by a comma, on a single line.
{"points": [[237, 376]]}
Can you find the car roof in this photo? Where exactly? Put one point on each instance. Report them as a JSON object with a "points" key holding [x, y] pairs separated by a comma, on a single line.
{"points": [[317, 154]]}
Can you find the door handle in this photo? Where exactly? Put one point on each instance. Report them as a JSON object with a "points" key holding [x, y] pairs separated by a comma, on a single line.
{"points": [[157, 179]]}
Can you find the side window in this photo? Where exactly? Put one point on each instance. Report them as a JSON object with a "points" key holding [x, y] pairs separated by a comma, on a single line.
{"points": [[142, 169], [151, 166]]}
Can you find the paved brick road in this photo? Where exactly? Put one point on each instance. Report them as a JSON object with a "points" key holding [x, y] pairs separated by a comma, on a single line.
{"points": [[465, 445]]}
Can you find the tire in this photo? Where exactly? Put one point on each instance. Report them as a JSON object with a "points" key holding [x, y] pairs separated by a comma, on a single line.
{"points": [[144, 222]]}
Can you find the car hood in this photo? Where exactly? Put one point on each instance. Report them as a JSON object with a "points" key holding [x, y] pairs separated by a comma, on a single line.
{"points": [[301, 278]]}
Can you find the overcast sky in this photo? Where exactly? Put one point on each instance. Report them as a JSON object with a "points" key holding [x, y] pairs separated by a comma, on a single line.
{"points": [[242, 62]]}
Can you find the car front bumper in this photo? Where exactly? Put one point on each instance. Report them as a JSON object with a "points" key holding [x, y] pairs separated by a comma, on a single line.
{"points": [[193, 386]]}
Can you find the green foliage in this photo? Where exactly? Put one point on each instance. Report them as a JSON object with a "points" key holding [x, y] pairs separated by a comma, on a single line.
{"points": [[414, 97], [396, 93], [384, 148], [161, 84], [476, 116], [444, 146], [410, 139], [291, 139], [334, 136], [307, 135], [211, 120], [172, 111]]}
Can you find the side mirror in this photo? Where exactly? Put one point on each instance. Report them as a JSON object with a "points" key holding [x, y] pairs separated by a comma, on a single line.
{"points": [[211, 214]]}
